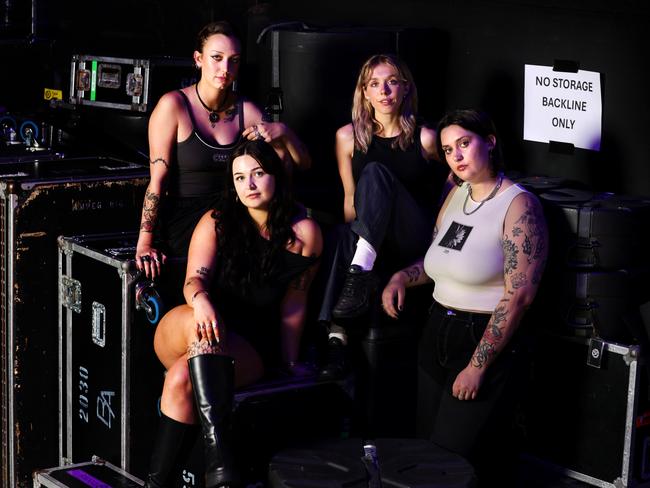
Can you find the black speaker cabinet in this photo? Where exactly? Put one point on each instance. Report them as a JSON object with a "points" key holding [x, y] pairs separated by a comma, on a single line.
{"points": [[587, 413], [308, 76], [39, 201]]}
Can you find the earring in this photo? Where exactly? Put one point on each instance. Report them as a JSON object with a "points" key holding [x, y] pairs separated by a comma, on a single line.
{"points": [[236, 198]]}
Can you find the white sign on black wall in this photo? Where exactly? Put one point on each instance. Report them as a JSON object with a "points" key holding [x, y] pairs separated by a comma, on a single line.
{"points": [[562, 107]]}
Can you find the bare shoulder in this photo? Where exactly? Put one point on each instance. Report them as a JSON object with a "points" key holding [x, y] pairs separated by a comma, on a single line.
{"points": [[170, 101], [526, 211], [345, 134], [308, 232], [428, 136], [525, 201], [252, 113]]}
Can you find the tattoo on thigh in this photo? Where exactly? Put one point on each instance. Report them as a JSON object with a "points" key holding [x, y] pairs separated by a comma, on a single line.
{"points": [[197, 348]]}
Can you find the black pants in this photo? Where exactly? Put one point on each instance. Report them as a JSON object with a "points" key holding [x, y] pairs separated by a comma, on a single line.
{"points": [[389, 219], [480, 429]]}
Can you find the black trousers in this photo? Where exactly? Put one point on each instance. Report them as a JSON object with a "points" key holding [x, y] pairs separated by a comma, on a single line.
{"points": [[389, 219], [480, 429]]}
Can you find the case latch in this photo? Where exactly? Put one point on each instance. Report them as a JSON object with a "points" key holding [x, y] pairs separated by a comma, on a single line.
{"points": [[71, 293], [99, 324]]}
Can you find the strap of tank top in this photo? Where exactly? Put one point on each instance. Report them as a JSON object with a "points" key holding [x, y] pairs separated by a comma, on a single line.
{"points": [[188, 105], [417, 138], [240, 111]]}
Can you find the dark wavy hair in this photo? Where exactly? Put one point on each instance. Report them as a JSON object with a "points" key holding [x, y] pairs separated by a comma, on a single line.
{"points": [[245, 258], [479, 123]]}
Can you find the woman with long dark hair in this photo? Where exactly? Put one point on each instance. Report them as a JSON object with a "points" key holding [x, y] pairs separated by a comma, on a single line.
{"points": [[249, 269]]}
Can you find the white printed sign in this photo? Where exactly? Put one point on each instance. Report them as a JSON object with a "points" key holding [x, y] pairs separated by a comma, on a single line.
{"points": [[562, 107]]}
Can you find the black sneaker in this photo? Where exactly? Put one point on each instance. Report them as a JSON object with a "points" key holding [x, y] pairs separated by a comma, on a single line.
{"points": [[358, 290], [336, 367]]}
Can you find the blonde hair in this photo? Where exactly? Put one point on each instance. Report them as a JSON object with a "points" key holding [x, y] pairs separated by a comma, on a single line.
{"points": [[363, 120]]}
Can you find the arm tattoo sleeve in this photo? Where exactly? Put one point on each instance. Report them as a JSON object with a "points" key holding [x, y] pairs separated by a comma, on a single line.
{"points": [[160, 160], [150, 211], [492, 337], [510, 252]]}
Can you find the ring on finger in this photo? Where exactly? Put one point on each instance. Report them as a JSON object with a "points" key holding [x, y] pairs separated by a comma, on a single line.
{"points": [[257, 134], [202, 326], [145, 258]]}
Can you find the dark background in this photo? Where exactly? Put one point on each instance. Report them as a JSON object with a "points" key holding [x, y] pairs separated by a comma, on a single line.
{"points": [[475, 57]]}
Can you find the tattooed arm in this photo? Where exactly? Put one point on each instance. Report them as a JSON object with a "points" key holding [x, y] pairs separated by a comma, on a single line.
{"points": [[294, 303], [201, 264], [525, 248], [163, 128], [392, 298]]}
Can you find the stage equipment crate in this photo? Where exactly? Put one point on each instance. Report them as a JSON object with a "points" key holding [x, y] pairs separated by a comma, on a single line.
{"points": [[40, 200], [96, 473], [111, 377], [127, 83], [587, 413]]}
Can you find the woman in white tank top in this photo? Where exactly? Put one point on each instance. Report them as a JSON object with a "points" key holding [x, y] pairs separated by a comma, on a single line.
{"points": [[487, 256]]}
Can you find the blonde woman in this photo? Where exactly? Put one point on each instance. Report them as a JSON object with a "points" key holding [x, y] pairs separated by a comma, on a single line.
{"points": [[388, 168]]}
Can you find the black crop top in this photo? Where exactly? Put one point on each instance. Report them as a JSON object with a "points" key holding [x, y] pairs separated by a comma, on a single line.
{"points": [[200, 165], [417, 174]]}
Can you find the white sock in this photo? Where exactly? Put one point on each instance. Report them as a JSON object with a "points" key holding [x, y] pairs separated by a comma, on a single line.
{"points": [[338, 332], [365, 255], [342, 337]]}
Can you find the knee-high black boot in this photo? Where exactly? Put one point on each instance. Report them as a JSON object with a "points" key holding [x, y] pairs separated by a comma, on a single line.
{"points": [[212, 378], [171, 439]]}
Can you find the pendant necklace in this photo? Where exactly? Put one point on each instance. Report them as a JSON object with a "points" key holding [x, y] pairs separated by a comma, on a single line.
{"points": [[213, 114], [489, 197]]}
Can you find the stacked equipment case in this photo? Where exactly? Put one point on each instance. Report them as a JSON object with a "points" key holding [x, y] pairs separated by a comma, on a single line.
{"points": [[587, 411], [39, 201]]}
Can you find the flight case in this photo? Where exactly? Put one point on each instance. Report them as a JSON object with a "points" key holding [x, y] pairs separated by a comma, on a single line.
{"points": [[126, 83], [587, 413], [40, 200], [96, 473], [111, 377]]}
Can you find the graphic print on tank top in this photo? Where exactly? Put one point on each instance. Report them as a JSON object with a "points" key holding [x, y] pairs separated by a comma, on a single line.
{"points": [[455, 237]]}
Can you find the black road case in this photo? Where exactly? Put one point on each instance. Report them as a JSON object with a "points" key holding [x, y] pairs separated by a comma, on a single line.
{"points": [[112, 380], [127, 83], [39, 201], [589, 421], [96, 473]]}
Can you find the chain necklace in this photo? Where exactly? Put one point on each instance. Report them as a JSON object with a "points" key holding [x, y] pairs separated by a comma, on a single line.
{"points": [[213, 114], [489, 197]]}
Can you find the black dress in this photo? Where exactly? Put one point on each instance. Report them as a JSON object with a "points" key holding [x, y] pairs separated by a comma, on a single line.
{"points": [[255, 313]]}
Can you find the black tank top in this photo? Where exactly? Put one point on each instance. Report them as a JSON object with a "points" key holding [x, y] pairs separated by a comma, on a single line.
{"points": [[417, 174], [200, 165]]}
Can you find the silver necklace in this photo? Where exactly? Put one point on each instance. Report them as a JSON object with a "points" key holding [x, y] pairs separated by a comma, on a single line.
{"points": [[489, 197]]}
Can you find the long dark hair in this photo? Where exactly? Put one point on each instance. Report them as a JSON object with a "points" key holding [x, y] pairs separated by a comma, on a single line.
{"points": [[479, 123], [245, 257]]}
